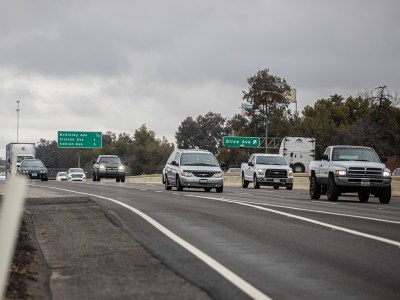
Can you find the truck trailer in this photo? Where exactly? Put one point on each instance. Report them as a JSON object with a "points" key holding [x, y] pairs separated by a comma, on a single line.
{"points": [[19, 150], [298, 151]]}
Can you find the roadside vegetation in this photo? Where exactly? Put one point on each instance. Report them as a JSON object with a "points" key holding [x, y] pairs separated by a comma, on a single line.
{"points": [[371, 118]]}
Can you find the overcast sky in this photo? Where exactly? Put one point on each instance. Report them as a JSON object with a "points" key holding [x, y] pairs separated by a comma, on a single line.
{"points": [[115, 65]]}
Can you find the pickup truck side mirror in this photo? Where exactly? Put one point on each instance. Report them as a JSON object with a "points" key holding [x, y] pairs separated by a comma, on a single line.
{"points": [[250, 164], [174, 163], [222, 165], [325, 157]]}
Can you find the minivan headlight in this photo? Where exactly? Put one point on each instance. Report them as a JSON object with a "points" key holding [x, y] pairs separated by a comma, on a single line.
{"points": [[387, 173], [218, 175], [186, 174]]}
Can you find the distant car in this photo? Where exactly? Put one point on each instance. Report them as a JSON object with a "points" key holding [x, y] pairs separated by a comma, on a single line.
{"points": [[61, 176], [76, 174], [3, 176], [109, 166], [33, 169], [396, 172]]}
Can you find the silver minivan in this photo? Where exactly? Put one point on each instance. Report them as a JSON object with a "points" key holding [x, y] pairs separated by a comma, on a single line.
{"points": [[193, 168]]}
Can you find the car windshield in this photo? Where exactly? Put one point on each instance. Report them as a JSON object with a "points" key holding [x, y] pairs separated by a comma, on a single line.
{"points": [[354, 154], [111, 159], [271, 160], [76, 170], [32, 163], [198, 159], [61, 173]]}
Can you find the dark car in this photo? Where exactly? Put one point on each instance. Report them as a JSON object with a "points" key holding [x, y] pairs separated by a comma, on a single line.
{"points": [[109, 166], [33, 169]]}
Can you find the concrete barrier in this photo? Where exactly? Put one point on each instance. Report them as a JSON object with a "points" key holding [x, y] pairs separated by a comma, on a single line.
{"points": [[301, 181]]}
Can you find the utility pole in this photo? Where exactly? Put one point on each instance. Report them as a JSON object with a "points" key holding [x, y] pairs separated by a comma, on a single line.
{"points": [[17, 118]]}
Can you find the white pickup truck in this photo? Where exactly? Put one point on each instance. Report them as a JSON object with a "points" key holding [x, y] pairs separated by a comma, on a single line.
{"points": [[267, 169], [350, 169]]}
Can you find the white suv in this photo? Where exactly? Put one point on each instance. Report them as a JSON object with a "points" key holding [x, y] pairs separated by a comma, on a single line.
{"points": [[193, 168]]}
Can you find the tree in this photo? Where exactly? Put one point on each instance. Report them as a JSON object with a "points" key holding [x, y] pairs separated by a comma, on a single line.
{"points": [[206, 132]]}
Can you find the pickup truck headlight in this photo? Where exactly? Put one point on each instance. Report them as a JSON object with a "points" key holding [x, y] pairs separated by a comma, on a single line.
{"points": [[261, 172], [341, 172], [290, 173], [102, 167], [218, 175], [387, 173], [186, 174], [121, 168]]}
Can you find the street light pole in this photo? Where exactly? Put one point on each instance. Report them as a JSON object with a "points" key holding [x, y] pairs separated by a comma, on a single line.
{"points": [[17, 118]]}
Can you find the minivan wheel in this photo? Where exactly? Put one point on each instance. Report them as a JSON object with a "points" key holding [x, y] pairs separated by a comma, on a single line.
{"points": [[220, 189], [166, 184], [179, 186]]}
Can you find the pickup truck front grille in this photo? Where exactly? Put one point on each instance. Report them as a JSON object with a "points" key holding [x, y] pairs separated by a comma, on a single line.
{"points": [[362, 171], [270, 173]]}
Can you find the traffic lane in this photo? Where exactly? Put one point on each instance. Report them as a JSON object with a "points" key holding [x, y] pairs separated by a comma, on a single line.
{"points": [[260, 245]]}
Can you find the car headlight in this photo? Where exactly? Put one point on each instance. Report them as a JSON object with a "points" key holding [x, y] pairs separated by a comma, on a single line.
{"points": [[186, 174], [121, 168], [218, 175], [261, 172], [102, 167], [340, 172]]}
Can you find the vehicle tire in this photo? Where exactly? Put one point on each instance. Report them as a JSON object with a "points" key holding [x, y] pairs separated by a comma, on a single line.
{"points": [[220, 189], [207, 189], [315, 188], [385, 195], [245, 183], [276, 187], [118, 179], [289, 187], [123, 179], [179, 186], [256, 185], [298, 168], [332, 191], [363, 195], [166, 184], [44, 179]]}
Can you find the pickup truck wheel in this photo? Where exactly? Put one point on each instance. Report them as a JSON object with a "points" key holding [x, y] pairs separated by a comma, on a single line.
{"points": [[117, 179], [207, 189], [256, 185], [166, 184], [298, 168], [276, 187], [385, 195], [220, 189], [315, 188], [123, 179], [179, 186], [332, 192], [245, 183], [363, 195], [289, 187]]}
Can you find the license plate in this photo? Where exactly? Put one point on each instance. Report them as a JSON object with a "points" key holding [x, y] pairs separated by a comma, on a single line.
{"points": [[34, 174], [203, 181], [277, 180], [367, 183]]}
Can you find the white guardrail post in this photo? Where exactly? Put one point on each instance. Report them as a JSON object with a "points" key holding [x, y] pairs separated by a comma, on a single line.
{"points": [[10, 214]]}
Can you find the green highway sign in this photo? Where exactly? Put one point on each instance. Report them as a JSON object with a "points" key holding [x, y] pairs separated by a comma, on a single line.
{"points": [[238, 141], [79, 139]]}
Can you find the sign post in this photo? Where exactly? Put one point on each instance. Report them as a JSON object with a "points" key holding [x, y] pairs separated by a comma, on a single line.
{"points": [[237, 141]]}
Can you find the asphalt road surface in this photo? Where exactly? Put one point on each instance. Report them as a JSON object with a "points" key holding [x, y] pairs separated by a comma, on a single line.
{"points": [[247, 243]]}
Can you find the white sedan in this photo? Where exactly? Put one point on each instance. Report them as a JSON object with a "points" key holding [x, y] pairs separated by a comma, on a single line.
{"points": [[3, 176], [76, 174], [61, 176]]}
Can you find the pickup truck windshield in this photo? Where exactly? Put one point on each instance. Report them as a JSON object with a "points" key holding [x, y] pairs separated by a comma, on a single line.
{"points": [[354, 154], [198, 159], [271, 160]]}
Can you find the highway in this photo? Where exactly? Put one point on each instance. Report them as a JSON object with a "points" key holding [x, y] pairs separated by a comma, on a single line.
{"points": [[263, 244]]}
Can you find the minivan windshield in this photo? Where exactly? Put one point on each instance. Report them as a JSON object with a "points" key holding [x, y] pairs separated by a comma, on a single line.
{"points": [[198, 159]]}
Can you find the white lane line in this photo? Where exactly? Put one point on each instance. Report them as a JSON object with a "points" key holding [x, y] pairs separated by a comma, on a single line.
{"points": [[331, 203], [218, 267], [331, 226]]}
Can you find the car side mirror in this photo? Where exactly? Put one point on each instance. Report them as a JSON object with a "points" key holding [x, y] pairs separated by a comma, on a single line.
{"points": [[222, 165], [175, 163], [250, 164], [325, 157]]}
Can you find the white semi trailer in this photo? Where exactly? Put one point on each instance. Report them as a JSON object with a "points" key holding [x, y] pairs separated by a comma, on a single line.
{"points": [[18, 152]]}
